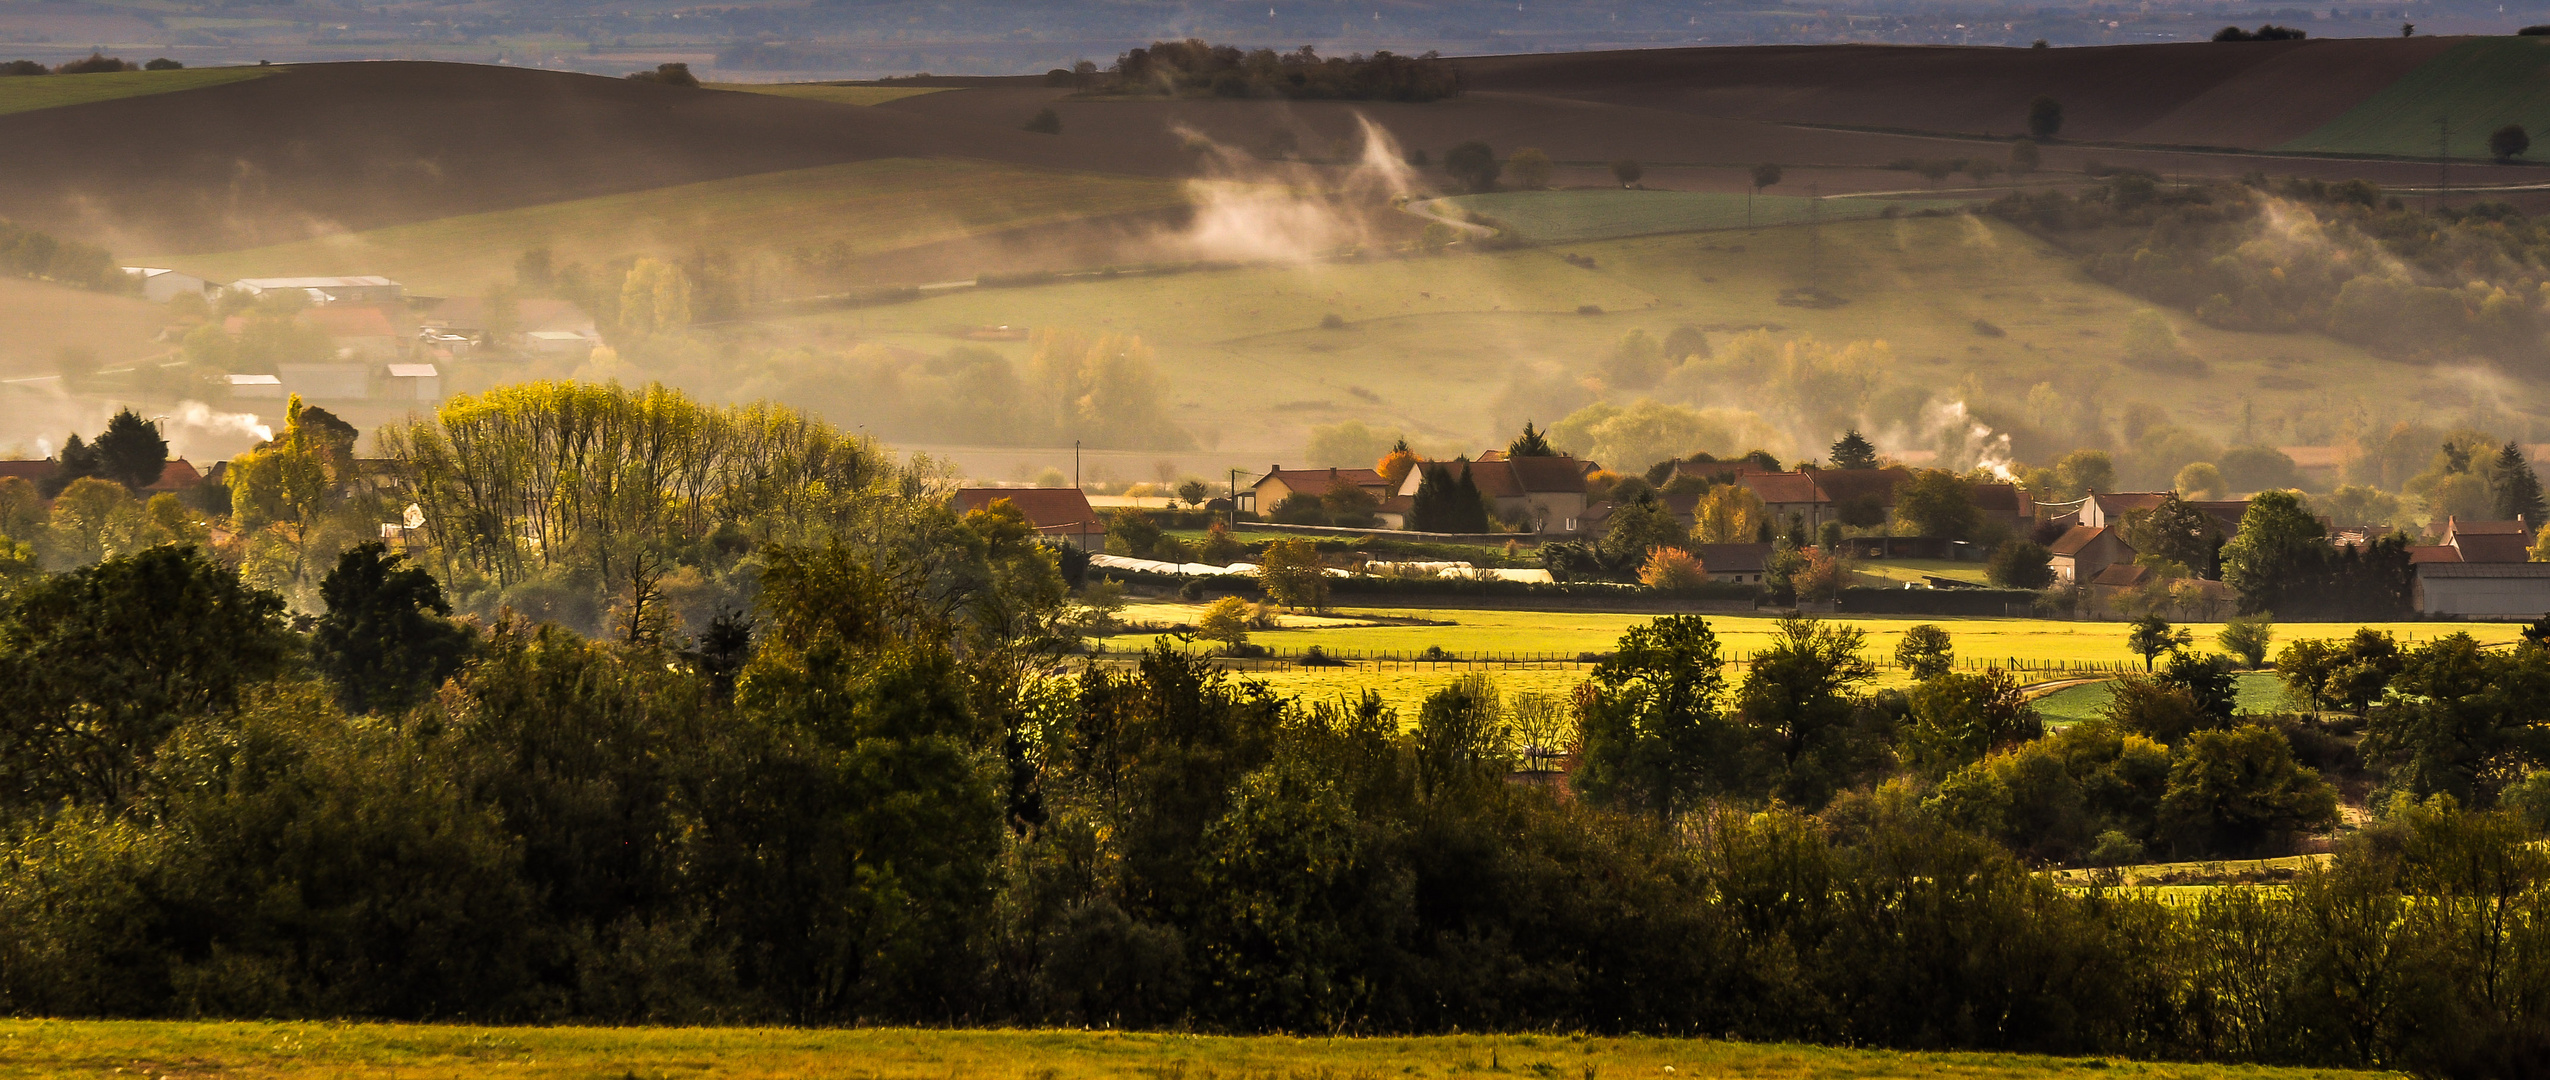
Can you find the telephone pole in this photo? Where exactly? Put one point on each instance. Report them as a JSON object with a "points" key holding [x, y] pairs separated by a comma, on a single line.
{"points": [[1075, 464]]}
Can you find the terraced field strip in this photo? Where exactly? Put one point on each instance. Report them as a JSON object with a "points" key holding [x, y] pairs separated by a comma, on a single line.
{"points": [[855, 209], [27, 93], [837, 93], [1557, 216], [2479, 86], [341, 1051]]}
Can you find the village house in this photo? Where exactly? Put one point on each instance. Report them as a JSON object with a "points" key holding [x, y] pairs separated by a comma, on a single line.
{"points": [[1548, 492], [2480, 570], [2104, 508], [1055, 513], [1742, 564], [161, 285], [1281, 483], [328, 290], [2084, 552]]}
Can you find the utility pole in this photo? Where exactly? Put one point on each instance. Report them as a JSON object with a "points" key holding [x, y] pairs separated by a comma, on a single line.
{"points": [[1234, 512], [1075, 464]]}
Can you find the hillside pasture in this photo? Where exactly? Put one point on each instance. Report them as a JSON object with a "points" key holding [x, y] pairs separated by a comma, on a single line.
{"points": [[48, 1049], [2481, 84], [31, 92], [1431, 346], [860, 208]]}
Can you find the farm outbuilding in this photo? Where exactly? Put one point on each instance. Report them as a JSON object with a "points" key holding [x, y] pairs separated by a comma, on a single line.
{"points": [[161, 285]]}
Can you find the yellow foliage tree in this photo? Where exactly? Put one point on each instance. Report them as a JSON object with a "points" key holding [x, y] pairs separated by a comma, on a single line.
{"points": [[285, 482], [1672, 568], [654, 299], [1728, 514]]}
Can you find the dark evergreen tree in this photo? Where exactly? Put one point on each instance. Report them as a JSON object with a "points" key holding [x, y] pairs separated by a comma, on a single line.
{"points": [[77, 461], [1854, 451], [131, 451], [1530, 443], [2516, 487]]}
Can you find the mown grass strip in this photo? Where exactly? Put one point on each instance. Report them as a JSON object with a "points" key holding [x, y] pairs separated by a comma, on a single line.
{"points": [[328, 1051]]}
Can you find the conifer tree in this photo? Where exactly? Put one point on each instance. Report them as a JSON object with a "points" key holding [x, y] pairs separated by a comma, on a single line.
{"points": [[2517, 489], [1854, 451]]}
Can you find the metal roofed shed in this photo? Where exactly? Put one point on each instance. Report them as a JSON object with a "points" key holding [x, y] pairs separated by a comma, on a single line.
{"points": [[415, 382], [367, 289], [256, 387]]}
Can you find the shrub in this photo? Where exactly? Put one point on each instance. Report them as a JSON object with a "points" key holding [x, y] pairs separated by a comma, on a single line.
{"points": [[1672, 568], [2021, 564], [672, 74], [96, 63], [1045, 122]]}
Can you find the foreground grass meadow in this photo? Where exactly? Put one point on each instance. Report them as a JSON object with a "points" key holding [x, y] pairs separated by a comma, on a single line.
{"points": [[329, 1051]]}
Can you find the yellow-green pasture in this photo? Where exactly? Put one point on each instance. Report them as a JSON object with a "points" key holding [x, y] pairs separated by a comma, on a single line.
{"points": [[1536, 650], [336, 1051], [27, 93]]}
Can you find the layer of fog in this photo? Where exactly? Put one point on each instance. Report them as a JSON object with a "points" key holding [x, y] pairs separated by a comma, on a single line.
{"points": [[35, 421]]}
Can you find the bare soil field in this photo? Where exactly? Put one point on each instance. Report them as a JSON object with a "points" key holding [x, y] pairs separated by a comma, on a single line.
{"points": [[2250, 95], [334, 147]]}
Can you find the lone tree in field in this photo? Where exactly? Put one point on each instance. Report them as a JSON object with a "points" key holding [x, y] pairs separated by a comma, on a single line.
{"points": [[1766, 174], [1531, 168], [2509, 142], [1925, 651], [1473, 164], [2152, 636], [1045, 122], [2045, 118], [1627, 172]]}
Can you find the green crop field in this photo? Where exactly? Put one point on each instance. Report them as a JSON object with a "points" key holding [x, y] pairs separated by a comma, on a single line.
{"points": [[1429, 345], [2259, 692], [836, 93], [28, 93], [2479, 85], [334, 1051], [1568, 216], [866, 206], [1533, 651]]}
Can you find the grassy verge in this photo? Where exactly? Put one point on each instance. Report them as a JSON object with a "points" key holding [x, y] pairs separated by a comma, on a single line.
{"points": [[1567, 216], [28, 93], [2258, 691], [320, 1051]]}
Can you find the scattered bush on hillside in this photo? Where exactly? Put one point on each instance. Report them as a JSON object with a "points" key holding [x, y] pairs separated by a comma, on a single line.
{"points": [[96, 63], [24, 67], [1045, 122], [2533, 31], [672, 74], [163, 64], [1195, 68], [2340, 259], [2269, 32], [24, 252], [2045, 119], [1474, 165], [1531, 168], [1627, 171]]}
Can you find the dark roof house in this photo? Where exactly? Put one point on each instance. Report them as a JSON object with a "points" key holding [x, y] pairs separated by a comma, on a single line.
{"points": [[1062, 513]]}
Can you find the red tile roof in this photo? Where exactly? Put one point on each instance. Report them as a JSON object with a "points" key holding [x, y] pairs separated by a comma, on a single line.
{"points": [[2076, 538], [1554, 475], [1782, 488], [1733, 558], [2122, 575], [2494, 547], [1842, 485], [32, 470], [2433, 553], [178, 475], [349, 321], [1316, 481], [2488, 528], [1061, 511]]}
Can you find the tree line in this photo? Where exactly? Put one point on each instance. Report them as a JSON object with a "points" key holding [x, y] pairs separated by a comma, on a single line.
{"points": [[875, 798], [1196, 68]]}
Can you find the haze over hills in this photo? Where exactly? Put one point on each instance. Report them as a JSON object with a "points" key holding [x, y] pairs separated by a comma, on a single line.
{"points": [[444, 176]]}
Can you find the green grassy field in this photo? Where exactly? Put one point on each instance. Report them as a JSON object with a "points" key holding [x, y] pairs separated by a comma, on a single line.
{"points": [[32, 92], [326, 1051], [1568, 216], [1529, 651], [2480, 85], [866, 206], [1896, 571], [833, 92], [2259, 692], [1429, 345]]}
